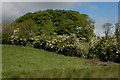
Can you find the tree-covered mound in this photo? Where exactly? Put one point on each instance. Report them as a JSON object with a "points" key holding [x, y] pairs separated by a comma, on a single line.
{"points": [[65, 32], [60, 22]]}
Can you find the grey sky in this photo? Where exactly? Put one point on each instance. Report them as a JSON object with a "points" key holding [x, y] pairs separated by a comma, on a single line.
{"points": [[60, 0], [13, 10]]}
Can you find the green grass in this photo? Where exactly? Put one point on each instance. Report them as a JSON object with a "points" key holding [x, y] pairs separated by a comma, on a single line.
{"points": [[0, 61], [27, 62]]}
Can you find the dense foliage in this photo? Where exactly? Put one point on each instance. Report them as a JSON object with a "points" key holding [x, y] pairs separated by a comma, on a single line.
{"points": [[54, 30], [68, 45], [61, 22], [117, 33], [20, 34], [105, 49]]}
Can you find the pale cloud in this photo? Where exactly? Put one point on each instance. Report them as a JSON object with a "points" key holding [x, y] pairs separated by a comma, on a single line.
{"points": [[15, 9], [99, 31], [9, 11], [115, 19]]}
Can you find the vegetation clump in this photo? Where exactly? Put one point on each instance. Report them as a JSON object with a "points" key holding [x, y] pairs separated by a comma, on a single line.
{"points": [[105, 50], [64, 32], [59, 31]]}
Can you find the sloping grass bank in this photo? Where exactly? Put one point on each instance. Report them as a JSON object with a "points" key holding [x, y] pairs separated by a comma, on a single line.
{"points": [[26, 62]]}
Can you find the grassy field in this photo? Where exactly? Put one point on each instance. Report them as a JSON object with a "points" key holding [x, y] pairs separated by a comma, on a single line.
{"points": [[27, 62]]}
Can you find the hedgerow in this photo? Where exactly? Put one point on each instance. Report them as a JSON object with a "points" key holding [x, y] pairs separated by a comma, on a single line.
{"points": [[68, 45], [105, 49]]}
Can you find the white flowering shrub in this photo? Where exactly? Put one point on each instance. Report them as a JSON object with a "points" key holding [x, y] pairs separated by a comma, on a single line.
{"points": [[16, 38], [64, 44], [6, 33], [105, 49]]}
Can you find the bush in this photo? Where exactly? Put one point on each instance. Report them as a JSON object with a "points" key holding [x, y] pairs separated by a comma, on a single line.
{"points": [[68, 45], [6, 34], [104, 49]]}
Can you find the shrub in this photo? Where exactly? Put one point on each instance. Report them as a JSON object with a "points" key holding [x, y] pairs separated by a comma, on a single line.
{"points": [[61, 22], [104, 49], [6, 34], [68, 45]]}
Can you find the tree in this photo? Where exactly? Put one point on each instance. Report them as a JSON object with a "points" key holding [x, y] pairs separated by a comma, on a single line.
{"points": [[106, 26], [60, 22]]}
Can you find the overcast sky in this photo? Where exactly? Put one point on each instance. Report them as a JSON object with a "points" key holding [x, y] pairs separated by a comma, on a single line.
{"points": [[100, 12]]}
